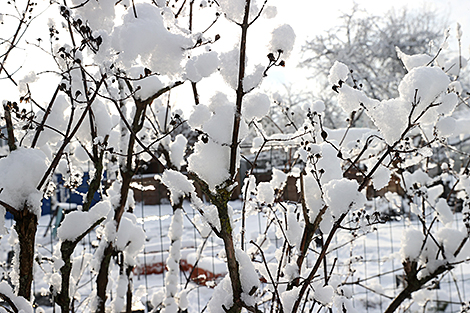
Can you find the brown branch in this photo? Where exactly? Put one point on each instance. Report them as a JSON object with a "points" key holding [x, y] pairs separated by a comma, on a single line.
{"points": [[9, 123], [9, 301], [40, 128]]}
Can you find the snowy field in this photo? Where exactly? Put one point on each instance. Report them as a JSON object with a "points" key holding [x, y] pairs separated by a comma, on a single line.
{"points": [[369, 264]]}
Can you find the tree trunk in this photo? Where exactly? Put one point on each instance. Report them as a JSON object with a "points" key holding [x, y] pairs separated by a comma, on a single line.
{"points": [[102, 278], [26, 227]]}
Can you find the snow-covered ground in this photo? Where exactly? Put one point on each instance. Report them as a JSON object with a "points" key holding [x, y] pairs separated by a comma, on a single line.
{"points": [[371, 262]]}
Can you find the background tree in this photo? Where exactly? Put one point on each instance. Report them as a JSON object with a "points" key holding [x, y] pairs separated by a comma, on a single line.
{"points": [[367, 44]]}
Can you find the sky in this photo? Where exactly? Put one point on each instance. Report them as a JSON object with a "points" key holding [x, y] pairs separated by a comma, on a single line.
{"points": [[308, 18]]}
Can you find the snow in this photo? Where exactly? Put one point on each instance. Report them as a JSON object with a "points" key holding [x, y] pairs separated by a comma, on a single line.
{"points": [[147, 37], [210, 160], [324, 294], [21, 303], [130, 238], [270, 12], [283, 38], [429, 82], [313, 196], [338, 72], [234, 9], [381, 177], [265, 193], [147, 87], [221, 297], [278, 180], [329, 163], [22, 170], [249, 279], [411, 244], [318, 106], [199, 116], [445, 126], [412, 61], [177, 183], [210, 163], [229, 66], [202, 66], [77, 222], [256, 106], [342, 195], [177, 150]]}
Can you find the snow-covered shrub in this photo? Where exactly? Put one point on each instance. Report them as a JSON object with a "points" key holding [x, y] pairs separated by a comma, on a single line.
{"points": [[119, 66]]}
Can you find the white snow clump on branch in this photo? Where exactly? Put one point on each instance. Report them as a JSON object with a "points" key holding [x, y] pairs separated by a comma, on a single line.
{"points": [[283, 38], [22, 171], [177, 183], [147, 37], [77, 222]]}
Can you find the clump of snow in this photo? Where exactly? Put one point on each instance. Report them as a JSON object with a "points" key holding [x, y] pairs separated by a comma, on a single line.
{"points": [[171, 278], [444, 212], [228, 62], [412, 61], [57, 119], [351, 99], [121, 289], [329, 163], [270, 12], [430, 83], [147, 37], [256, 106], [318, 106], [283, 38], [446, 126], [130, 237], [381, 177], [22, 170], [454, 65], [77, 222], [234, 9], [418, 178], [450, 240], [278, 179], [210, 161], [293, 229], [288, 298], [177, 183], [27, 79], [147, 87], [324, 294], [313, 196], [202, 66], [251, 81], [21, 303], [248, 277], [199, 116], [265, 192], [411, 243], [222, 296], [448, 103], [338, 72], [342, 195], [177, 150], [98, 14]]}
